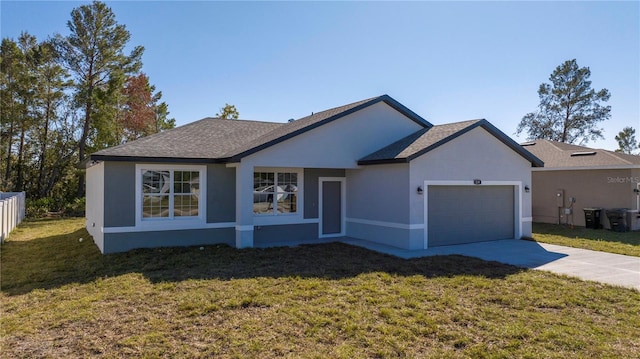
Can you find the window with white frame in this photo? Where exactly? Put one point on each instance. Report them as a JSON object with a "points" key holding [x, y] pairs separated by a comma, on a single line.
{"points": [[275, 192], [170, 192]]}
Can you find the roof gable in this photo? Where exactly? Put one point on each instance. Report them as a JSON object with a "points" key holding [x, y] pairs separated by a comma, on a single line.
{"points": [[421, 142], [315, 120]]}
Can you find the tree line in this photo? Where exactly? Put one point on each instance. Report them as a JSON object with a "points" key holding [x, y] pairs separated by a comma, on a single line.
{"points": [[65, 97]]}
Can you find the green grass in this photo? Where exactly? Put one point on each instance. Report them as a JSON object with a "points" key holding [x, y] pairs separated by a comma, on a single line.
{"points": [[62, 298], [595, 239]]}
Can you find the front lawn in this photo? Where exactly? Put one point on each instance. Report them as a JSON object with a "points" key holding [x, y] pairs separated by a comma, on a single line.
{"points": [[595, 239], [61, 298]]}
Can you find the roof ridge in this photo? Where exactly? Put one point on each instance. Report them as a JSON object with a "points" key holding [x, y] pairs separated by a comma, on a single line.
{"points": [[552, 143], [355, 103], [239, 119], [614, 155], [459, 122]]}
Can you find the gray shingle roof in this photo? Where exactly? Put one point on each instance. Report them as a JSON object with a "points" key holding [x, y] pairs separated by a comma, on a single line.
{"points": [[216, 140], [559, 155], [207, 139], [423, 141]]}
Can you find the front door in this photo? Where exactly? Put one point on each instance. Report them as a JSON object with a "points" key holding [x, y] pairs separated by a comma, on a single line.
{"points": [[332, 207]]}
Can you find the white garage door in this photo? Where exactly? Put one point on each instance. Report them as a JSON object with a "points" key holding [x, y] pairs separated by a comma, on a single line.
{"points": [[467, 214]]}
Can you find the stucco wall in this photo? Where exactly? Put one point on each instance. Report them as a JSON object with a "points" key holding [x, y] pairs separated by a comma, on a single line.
{"points": [[94, 212], [311, 186], [339, 144], [122, 242], [279, 234], [115, 183], [378, 205], [221, 194], [119, 194], [379, 193], [607, 188]]}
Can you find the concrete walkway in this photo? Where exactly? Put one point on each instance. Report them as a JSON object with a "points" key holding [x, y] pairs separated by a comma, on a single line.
{"points": [[615, 269]]}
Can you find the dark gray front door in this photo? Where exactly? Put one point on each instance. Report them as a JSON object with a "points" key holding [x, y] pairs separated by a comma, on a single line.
{"points": [[466, 214], [331, 207]]}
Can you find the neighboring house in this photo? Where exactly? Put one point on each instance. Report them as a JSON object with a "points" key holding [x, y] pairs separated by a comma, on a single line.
{"points": [[371, 170], [577, 177]]}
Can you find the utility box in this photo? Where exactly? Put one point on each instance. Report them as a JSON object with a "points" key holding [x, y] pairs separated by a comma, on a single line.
{"points": [[592, 217], [633, 220], [617, 219]]}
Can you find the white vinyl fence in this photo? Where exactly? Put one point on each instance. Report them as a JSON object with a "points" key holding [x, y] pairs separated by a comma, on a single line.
{"points": [[12, 208]]}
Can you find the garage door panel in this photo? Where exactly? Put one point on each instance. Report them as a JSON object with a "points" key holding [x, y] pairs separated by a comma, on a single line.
{"points": [[467, 214]]}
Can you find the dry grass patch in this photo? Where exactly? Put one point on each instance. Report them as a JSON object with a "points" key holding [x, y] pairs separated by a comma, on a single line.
{"points": [[67, 300], [595, 239]]}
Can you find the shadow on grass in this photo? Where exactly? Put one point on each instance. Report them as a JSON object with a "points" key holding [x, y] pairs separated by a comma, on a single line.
{"points": [[55, 261], [606, 235]]}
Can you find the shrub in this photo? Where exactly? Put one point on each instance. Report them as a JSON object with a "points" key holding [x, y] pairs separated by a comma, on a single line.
{"points": [[38, 208], [75, 208]]}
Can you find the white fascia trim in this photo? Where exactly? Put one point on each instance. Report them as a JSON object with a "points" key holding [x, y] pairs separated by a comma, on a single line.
{"points": [[168, 227], [585, 168], [386, 224]]}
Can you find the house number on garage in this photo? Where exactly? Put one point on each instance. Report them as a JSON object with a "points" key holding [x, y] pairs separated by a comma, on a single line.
{"points": [[623, 179]]}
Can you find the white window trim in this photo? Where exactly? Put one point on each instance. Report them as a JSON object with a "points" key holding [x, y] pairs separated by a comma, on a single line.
{"points": [[177, 222], [282, 218]]}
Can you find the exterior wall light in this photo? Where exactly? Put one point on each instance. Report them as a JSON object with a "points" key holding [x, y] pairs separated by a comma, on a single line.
{"points": [[420, 190], [527, 189]]}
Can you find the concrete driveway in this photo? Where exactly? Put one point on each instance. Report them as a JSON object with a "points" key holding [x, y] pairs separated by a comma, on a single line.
{"points": [[615, 269]]}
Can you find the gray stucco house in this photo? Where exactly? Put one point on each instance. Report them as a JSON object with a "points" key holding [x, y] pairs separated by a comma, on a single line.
{"points": [[371, 170]]}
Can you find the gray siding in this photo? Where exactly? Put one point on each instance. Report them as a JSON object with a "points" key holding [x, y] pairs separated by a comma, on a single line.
{"points": [[221, 194], [122, 242], [119, 194], [311, 176], [285, 233]]}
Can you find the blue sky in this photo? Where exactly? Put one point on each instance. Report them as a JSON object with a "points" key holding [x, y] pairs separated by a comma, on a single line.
{"points": [[447, 61]]}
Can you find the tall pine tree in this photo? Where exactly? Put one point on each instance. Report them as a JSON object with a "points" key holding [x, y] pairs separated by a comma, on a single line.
{"points": [[94, 54], [569, 109]]}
